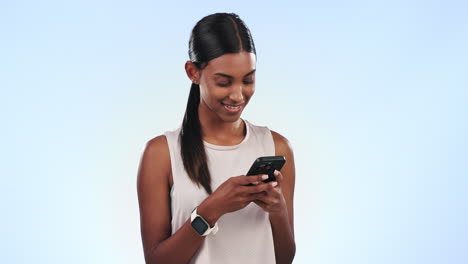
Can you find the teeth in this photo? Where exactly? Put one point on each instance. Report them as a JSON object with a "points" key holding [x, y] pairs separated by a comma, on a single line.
{"points": [[232, 107]]}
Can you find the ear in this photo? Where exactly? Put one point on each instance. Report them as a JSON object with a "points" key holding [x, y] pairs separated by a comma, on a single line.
{"points": [[192, 72]]}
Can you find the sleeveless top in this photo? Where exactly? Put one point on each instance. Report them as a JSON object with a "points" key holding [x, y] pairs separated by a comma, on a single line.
{"points": [[244, 236]]}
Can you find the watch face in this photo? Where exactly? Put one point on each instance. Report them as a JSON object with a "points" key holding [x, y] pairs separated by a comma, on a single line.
{"points": [[199, 225]]}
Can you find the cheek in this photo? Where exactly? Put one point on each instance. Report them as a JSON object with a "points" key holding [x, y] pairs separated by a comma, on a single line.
{"points": [[210, 93], [249, 91]]}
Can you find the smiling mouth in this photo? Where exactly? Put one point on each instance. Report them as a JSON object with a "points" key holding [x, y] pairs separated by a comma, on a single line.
{"points": [[233, 108]]}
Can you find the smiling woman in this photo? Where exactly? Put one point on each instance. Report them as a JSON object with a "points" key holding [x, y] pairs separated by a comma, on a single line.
{"points": [[182, 219]]}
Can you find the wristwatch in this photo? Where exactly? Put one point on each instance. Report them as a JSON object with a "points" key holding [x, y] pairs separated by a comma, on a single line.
{"points": [[201, 225]]}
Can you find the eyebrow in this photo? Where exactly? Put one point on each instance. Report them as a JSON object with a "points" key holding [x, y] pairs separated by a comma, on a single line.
{"points": [[229, 76]]}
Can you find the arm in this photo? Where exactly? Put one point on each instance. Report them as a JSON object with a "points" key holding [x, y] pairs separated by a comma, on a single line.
{"points": [[155, 215], [282, 223]]}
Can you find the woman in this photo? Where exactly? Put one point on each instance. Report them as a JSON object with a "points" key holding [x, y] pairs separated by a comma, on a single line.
{"points": [[195, 206]]}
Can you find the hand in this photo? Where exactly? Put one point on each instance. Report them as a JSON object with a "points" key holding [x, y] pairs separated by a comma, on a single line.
{"points": [[272, 200], [233, 195]]}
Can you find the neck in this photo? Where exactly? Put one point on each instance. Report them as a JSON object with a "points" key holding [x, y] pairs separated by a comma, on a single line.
{"points": [[215, 128]]}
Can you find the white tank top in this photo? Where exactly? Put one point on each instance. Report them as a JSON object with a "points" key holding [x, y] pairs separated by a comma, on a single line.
{"points": [[244, 236]]}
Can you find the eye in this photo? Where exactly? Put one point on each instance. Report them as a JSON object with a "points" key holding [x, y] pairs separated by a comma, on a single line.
{"points": [[224, 84], [222, 81], [249, 81]]}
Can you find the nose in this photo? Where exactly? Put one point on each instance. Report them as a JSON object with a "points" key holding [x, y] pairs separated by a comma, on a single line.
{"points": [[236, 94]]}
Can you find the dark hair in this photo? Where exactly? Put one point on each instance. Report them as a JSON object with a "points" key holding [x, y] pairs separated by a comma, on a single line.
{"points": [[212, 36]]}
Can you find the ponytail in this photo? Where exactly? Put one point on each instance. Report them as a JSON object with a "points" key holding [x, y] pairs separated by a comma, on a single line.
{"points": [[212, 37], [191, 142]]}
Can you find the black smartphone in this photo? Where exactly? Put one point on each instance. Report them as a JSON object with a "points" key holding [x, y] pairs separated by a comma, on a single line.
{"points": [[266, 165]]}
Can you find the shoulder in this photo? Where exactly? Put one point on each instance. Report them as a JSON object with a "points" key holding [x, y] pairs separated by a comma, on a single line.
{"points": [[157, 152], [161, 144], [157, 145], [282, 145], [155, 161]]}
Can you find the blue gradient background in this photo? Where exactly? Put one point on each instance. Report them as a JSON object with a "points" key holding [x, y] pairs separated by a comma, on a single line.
{"points": [[372, 95]]}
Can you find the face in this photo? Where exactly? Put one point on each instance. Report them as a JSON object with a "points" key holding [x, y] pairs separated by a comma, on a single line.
{"points": [[226, 85]]}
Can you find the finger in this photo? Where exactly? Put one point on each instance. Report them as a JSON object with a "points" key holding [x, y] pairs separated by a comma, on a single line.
{"points": [[268, 200], [256, 196], [274, 192], [269, 197], [261, 187], [254, 179], [279, 176]]}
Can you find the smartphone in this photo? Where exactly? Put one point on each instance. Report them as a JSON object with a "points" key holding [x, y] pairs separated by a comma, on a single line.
{"points": [[266, 165]]}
